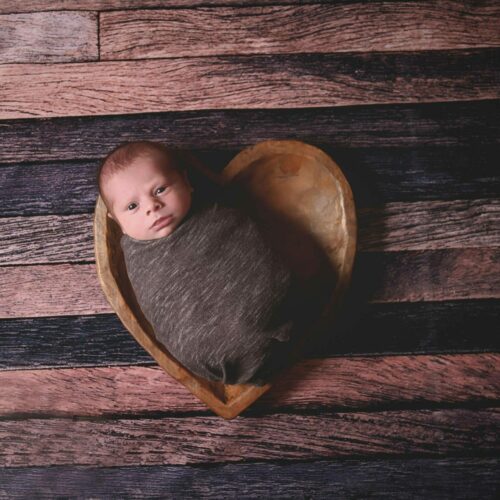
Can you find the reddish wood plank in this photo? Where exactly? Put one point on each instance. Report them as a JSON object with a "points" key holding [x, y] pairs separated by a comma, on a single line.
{"points": [[413, 276], [141, 34], [188, 440], [48, 37], [246, 82], [49, 5], [357, 382], [427, 225], [434, 275]]}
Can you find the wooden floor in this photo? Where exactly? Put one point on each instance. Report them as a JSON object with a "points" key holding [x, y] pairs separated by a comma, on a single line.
{"points": [[402, 399]]}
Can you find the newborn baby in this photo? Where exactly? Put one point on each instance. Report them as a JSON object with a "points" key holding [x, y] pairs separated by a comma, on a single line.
{"points": [[217, 296]]}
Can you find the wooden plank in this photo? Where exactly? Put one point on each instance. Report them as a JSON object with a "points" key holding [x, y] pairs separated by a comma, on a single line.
{"points": [[247, 82], [429, 225], [450, 477], [460, 326], [410, 276], [42, 37], [426, 225], [376, 175], [458, 124], [280, 29], [7, 6], [430, 274], [190, 440], [340, 383]]}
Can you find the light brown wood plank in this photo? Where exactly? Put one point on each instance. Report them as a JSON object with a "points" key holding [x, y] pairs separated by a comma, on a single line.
{"points": [[189, 440], [354, 382], [427, 225], [246, 82], [7, 6], [44, 37], [321, 28], [431, 275]]}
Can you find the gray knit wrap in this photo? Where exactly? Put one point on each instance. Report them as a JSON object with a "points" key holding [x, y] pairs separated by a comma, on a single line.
{"points": [[218, 297]]}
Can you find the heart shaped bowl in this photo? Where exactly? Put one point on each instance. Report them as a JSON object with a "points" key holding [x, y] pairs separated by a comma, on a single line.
{"points": [[302, 200]]}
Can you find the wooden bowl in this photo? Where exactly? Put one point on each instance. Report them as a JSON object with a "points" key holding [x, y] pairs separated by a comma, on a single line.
{"points": [[304, 203]]}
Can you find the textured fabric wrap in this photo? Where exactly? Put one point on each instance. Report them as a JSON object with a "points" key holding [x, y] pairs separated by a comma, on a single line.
{"points": [[218, 297]]}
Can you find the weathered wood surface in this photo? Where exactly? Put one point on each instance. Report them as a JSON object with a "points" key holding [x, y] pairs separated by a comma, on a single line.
{"points": [[413, 122], [189, 440], [460, 326], [51, 5], [377, 176], [404, 478], [42, 37], [281, 29], [247, 82], [474, 124], [427, 225], [311, 384], [409, 276]]}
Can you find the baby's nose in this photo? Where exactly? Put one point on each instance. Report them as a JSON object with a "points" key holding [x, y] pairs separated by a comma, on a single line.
{"points": [[154, 206]]}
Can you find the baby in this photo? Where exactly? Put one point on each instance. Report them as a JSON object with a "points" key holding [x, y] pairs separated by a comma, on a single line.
{"points": [[217, 296]]}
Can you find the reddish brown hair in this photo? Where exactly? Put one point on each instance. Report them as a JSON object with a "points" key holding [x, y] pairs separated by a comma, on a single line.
{"points": [[123, 155]]}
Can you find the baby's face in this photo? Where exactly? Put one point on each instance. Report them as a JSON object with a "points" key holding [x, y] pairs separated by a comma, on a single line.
{"points": [[143, 194]]}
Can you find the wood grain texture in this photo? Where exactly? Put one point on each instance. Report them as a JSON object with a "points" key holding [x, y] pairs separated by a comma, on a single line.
{"points": [[247, 82], [49, 5], [426, 225], [450, 477], [321, 28], [41, 37], [343, 383], [55, 439], [460, 326], [430, 225], [470, 124], [190, 440], [377, 176], [409, 276]]}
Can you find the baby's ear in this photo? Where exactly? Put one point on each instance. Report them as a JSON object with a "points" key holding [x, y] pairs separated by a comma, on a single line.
{"points": [[110, 215]]}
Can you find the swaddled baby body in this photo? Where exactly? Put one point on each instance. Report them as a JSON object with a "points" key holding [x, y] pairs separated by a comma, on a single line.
{"points": [[216, 294]]}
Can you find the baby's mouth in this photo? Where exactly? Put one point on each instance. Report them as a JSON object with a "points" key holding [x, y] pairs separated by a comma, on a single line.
{"points": [[162, 221]]}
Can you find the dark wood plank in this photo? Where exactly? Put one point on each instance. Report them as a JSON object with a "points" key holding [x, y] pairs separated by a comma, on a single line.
{"points": [[405, 479], [409, 276], [320, 28], [189, 440], [426, 225], [431, 275], [225, 82], [472, 124], [49, 5], [42, 37], [342, 383], [462, 326], [429, 225], [376, 175]]}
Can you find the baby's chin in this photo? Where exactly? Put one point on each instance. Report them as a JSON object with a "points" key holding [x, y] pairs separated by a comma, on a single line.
{"points": [[160, 233]]}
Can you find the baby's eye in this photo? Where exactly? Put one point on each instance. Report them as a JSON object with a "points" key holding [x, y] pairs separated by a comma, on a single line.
{"points": [[131, 205], [161, 189]]}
